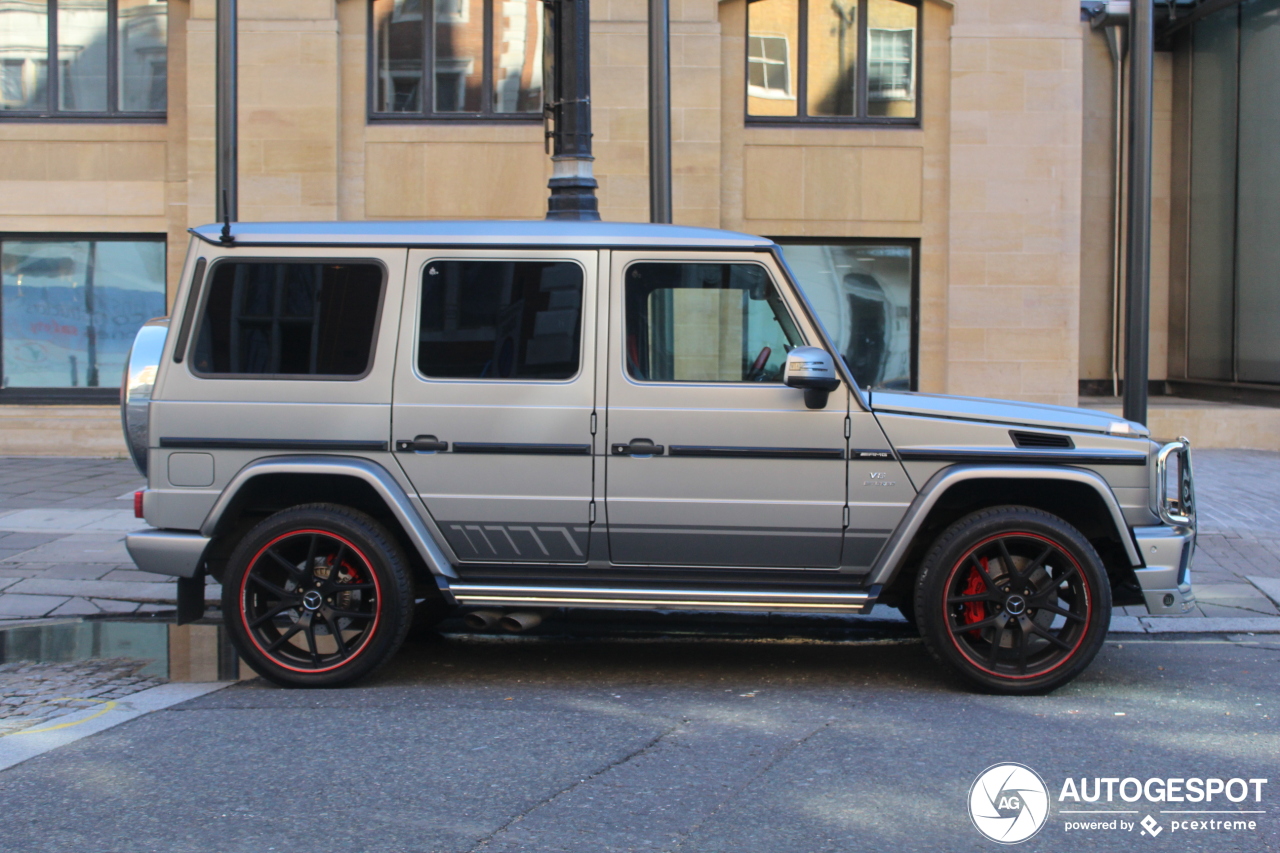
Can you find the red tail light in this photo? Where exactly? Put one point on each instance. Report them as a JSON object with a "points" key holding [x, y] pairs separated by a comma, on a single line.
{"points": [[137, 504]]}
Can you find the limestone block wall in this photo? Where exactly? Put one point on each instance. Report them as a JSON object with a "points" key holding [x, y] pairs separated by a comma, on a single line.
{"points": [[1016, 113]]}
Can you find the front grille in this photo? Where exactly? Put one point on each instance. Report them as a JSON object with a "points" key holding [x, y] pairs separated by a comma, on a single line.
{"points": [[1040, 439]]}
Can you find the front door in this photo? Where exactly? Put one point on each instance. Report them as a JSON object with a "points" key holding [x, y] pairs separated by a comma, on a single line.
{"points": [[494, 395], [746, 476]]}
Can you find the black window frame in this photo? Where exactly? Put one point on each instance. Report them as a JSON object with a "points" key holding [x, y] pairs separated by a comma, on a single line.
{"points": [[799, 76], [427, 113], [912, 243], [206, 287], [103, 395], [112, 113]]}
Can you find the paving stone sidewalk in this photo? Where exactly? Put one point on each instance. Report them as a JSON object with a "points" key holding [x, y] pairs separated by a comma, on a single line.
{"points": [[62, 526], [36, 693]]}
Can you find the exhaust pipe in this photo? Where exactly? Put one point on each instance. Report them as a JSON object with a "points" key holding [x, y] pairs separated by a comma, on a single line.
{"points": [[517, 622], [481, 620]]}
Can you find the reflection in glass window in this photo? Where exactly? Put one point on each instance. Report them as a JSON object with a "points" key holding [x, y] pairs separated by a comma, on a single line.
{"points": [[864, 295], [289, 319], [772, 39], [859, 59], [72, 307], [89, 33], [24, 54], [500, 320], [705, 323], [484, 57]]}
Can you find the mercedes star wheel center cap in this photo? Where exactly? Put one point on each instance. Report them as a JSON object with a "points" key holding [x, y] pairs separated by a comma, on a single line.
{"points": [[312, 600], [1014, 605]]}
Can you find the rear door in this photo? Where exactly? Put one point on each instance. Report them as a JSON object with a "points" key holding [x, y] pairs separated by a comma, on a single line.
{"points": [[494, 400]]}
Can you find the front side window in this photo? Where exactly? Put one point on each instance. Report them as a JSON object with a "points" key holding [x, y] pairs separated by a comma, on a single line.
{"points": [[289, 319], [864, 294], [842, 60], [701, 322], [110, 58], [71, 307], [456, 59], [500, 320]]}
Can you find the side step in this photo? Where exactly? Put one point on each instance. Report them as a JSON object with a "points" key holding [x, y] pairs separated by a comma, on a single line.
{"points": [[625, 598]]}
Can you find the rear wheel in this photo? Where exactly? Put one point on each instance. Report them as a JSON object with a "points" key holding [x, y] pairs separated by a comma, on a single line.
{"points": [[317, 596], [1013, 599]]}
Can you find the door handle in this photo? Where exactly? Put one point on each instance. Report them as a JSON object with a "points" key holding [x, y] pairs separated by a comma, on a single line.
{"points": [[422, 444], [638, 447]]}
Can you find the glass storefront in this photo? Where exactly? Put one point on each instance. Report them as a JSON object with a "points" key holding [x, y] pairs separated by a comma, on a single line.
{"points": [[71, 308], [865, 295], [1233, 306]]}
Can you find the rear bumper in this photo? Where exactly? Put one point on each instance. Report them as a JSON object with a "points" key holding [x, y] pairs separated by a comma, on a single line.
{"points": [[178, 553], [1166, 580]]}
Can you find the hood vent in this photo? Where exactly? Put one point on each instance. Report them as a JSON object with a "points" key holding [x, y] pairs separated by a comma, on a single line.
{"points": [[1040, 439]]}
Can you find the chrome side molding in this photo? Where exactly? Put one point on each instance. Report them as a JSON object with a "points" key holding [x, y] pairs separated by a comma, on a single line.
{"points": [[664, 599]]}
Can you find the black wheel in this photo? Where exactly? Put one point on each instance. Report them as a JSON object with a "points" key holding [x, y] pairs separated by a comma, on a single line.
{"points": [[1013, 599], [317, 596]]}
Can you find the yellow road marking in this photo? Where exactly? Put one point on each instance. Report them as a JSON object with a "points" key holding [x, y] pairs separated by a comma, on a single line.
{"points": [[109, 705]]}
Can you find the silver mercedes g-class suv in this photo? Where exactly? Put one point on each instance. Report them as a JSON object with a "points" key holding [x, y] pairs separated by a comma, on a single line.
{"points": [[355, 425]]}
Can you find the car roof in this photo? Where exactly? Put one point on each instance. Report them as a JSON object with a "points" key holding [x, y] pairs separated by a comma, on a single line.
{"points": [[531, 233]]}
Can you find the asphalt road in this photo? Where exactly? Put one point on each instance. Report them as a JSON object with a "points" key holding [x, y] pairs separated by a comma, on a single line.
{"points": [[698, 744]]}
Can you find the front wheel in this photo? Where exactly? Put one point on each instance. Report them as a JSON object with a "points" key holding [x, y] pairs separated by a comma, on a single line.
{"points": [[1014, 600], [317, 596]]}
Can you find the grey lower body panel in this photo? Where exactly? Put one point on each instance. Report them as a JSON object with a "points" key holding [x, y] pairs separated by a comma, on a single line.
{"points": [[1166, 580], [178, 553]]}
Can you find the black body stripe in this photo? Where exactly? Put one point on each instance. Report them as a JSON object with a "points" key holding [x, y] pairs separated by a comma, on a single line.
{"points": [[522, 449], [1059, 457], [758, 452], [269, 444]]}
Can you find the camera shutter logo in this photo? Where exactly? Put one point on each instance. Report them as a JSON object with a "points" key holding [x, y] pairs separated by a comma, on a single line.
{"points": [[1008, 803]]}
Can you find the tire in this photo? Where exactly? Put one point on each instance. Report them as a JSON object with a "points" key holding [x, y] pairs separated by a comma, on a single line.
{"points": [[1013, 600], [281, 602]]}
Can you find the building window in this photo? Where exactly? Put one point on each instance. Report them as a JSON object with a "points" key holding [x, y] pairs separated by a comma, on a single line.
{"points": [[865, 294], [833, 60], [110, 58], [71, 307], [459, 59], [1233, 297]]}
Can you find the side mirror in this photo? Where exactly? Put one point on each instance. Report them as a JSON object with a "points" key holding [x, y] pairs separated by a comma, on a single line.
{"points": [[813, 370]]}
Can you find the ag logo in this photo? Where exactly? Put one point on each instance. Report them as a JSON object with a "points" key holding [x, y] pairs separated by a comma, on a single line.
{"points": [[1008, 803]]}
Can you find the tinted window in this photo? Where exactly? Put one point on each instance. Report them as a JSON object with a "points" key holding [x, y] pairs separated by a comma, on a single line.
{"points": [[500, 320], [706, 323], [289, 319]]}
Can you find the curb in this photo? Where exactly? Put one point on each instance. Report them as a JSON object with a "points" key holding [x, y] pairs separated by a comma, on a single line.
{"points": [[1195, 625]]}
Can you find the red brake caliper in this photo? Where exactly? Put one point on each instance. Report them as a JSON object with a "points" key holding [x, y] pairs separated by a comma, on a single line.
{"points": [[974, 611]]}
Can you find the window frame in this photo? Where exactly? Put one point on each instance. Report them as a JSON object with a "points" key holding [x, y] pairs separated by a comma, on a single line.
{"points": [[778, 288], [911, 243], [103, 395], [51, 112], [799, 77], [482, 381], [206, 287], [428, 113]]}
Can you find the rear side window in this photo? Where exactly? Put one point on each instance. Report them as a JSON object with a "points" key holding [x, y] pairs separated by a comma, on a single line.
{"points": [[500, 320], [285, 318]]}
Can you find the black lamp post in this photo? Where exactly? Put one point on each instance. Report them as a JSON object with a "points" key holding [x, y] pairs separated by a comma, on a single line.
{"points": [[567, 65]]}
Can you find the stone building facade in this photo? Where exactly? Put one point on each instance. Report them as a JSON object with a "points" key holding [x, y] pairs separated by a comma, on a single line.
{"points": [[972, 161]]}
